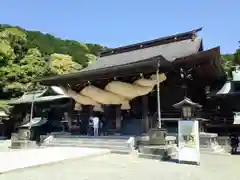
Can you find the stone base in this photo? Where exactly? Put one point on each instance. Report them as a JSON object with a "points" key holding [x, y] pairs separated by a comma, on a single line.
{"points": [[163, 152], [154, 137], [209, 143], [22, 144], [157, 136]]}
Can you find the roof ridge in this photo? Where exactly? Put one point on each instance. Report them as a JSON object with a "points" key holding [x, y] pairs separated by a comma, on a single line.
{"points": [[150, 43]]}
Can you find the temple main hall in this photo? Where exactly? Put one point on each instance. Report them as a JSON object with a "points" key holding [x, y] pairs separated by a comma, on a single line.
{"points": [[121, 85]]}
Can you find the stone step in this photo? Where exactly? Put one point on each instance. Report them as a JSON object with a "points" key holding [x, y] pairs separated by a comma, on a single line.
{"points": [[120, 148], [105, 141], [214, 149], [209, 150], [92, 137], [151, 156], [116, 151], [87, 143], [205, 149], [116, 145]]}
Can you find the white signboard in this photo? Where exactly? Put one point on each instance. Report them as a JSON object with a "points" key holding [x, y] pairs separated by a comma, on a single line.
{"points": [[188, 142], [236, 118]]}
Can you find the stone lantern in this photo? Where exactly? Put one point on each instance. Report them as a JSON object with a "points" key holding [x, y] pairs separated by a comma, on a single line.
{"points": [[188, 108], [188, 132]]}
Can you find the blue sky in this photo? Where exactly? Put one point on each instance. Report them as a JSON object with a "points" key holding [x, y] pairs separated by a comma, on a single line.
{"points": [[115, 23]]}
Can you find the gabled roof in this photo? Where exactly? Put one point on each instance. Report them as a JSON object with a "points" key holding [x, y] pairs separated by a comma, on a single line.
{"points": [[166, 49], [36, 122], [170, 47], [26, 97], [142, 66], [169, 51], [49, 94], [227, 90], [186, 101]]}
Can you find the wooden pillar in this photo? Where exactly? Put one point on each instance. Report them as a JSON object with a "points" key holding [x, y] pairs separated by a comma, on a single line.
{"points": [[201, 126], [145, 119], [118, 118], [68, 120], [91, 113]]}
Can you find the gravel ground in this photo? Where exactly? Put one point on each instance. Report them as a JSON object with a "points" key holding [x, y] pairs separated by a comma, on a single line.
{"points": [[129, 167]]}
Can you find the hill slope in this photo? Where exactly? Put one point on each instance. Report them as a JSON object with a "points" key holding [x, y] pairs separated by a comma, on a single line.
{"points": [[24, 56]]}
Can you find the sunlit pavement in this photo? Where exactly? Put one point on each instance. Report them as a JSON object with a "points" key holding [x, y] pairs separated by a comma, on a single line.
{"points": [[130, 167], [11, 160]]}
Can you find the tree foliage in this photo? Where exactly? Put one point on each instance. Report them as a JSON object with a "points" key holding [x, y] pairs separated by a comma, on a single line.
{"points": [[62, 63], [237, 56], [27, 55], [231, 60], [227, 62]]}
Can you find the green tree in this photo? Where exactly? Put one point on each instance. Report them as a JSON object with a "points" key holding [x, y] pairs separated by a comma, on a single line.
{"points": [[17, 77], [237, 56], [6, 53], [62, 64], [25, 56], [91, 58], [227, 62], [17, 39]]}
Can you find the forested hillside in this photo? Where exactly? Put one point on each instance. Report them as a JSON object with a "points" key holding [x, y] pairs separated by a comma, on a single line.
{"points": [[25, 55]]}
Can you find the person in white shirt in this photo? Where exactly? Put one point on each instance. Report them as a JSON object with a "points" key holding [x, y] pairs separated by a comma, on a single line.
{"points": [[95, 125]]}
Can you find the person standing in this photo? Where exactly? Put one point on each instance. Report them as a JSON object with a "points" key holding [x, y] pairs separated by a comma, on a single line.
{"points": [[95, 125], [90, 126], [104, 126], [234, 143]]}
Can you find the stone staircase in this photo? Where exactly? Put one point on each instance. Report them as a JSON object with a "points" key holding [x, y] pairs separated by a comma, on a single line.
{"points": [[117, 144]]}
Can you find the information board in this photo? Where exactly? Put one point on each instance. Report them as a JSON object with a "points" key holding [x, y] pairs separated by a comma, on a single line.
{"points": [[188, 141]]}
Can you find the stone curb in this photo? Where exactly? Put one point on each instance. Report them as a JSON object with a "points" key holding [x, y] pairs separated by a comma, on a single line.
{"points": [[56, 162], [218, 154]]}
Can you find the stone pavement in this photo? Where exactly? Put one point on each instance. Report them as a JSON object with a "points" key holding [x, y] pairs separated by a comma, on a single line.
{"points": [[11, 160], [129, 167]]}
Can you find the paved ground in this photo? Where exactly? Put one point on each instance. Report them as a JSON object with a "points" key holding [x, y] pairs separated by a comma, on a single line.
{"points": [[11, 160], [128, 167]]}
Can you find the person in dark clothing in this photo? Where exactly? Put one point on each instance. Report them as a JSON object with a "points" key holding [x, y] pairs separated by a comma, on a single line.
{"points": [[100, 126], [38, 136], [90, 126], [234, 143]]}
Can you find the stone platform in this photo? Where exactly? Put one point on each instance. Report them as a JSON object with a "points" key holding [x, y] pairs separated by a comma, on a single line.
{"points": [[117, 144], [160, 152], [22, 144], [208, 142]]}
